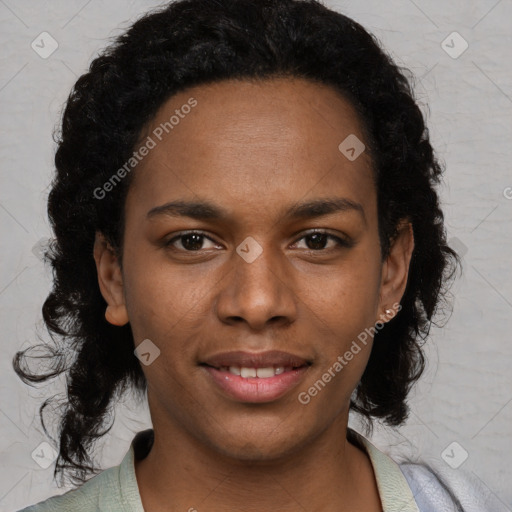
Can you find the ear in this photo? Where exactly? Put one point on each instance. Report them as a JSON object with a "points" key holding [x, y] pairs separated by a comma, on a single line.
{"points": [[110, 280], [395, 269]]}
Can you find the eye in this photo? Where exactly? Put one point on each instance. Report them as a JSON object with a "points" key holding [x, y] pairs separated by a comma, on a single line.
{"points": [[318, 239], [191, 241]]}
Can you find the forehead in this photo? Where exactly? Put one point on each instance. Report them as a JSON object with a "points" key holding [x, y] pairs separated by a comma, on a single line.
{"points": [[254, 144]]}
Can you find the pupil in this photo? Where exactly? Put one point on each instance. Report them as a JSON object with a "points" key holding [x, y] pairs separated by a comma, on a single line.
{"points": [[319, 240], [194, 245]]}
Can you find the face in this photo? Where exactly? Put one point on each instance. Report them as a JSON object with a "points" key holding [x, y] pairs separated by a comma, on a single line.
{"points": [[285, 257]]}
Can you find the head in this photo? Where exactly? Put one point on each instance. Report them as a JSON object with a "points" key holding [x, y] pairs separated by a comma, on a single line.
{"points": [[246, 106]]}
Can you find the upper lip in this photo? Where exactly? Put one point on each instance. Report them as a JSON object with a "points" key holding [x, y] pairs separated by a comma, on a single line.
{"points": [[267, 359]]}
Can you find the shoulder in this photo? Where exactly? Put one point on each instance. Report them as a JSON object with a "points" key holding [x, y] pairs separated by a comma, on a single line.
{"points": [[87, 498], [441, 488], [111, 490], [428, 490]]}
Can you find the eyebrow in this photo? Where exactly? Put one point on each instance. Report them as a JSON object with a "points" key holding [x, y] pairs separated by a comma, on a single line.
{"points": [[203, 210]]}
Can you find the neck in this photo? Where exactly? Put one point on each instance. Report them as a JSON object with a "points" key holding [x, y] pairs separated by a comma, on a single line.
{"points": [[327, 474]]}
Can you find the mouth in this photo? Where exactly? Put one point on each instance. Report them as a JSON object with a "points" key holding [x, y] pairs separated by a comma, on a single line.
{"points": [[275, 359], [256, 377]]}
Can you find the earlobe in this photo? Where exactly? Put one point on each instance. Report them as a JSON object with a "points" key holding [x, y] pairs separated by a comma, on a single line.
{"points": [[116, 315], [110, 281], [395, 269]]}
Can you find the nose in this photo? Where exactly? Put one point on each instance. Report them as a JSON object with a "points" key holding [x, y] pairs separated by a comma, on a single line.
{"points": [[258, 292]]}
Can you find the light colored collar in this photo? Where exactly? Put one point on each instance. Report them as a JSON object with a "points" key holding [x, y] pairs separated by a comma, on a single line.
{"points": [[394, 491]]}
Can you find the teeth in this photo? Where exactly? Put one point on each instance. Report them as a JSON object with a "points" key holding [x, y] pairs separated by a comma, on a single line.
{"points": [[262, 373], [248, 372]]}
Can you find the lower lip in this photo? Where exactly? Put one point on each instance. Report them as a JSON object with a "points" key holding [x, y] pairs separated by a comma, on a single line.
{"points": [[254, 389]]}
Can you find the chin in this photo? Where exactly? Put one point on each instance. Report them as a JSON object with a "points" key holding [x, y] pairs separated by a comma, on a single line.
{"points": [[260, 447]]}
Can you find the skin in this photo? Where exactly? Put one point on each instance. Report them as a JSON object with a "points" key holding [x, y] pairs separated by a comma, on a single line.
{"points": [[255, 149]]}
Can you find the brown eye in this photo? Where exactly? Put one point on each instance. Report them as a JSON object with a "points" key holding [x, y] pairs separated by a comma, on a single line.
{"points": [[190, 242], [317, 240]]}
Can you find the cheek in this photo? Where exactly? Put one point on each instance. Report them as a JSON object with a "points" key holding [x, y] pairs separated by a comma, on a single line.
{"points": [[348, 295], [168, 306], [154, 290], [345, 308]]}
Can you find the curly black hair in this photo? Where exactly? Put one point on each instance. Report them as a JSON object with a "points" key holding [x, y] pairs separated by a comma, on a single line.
{"points": [[192, 42]]}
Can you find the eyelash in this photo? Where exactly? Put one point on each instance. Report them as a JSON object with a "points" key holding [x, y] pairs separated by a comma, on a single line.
{"points": [[341, 243]]}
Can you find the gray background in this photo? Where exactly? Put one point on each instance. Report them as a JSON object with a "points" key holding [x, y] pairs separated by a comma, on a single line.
{"points": [[466, 393]]}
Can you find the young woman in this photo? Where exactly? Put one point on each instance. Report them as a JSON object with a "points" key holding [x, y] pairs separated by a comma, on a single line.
{"points": [[247, 230]]}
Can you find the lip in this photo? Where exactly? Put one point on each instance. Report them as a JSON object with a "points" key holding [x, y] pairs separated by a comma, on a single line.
{"points": [[254, 389], [256, 359]]}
